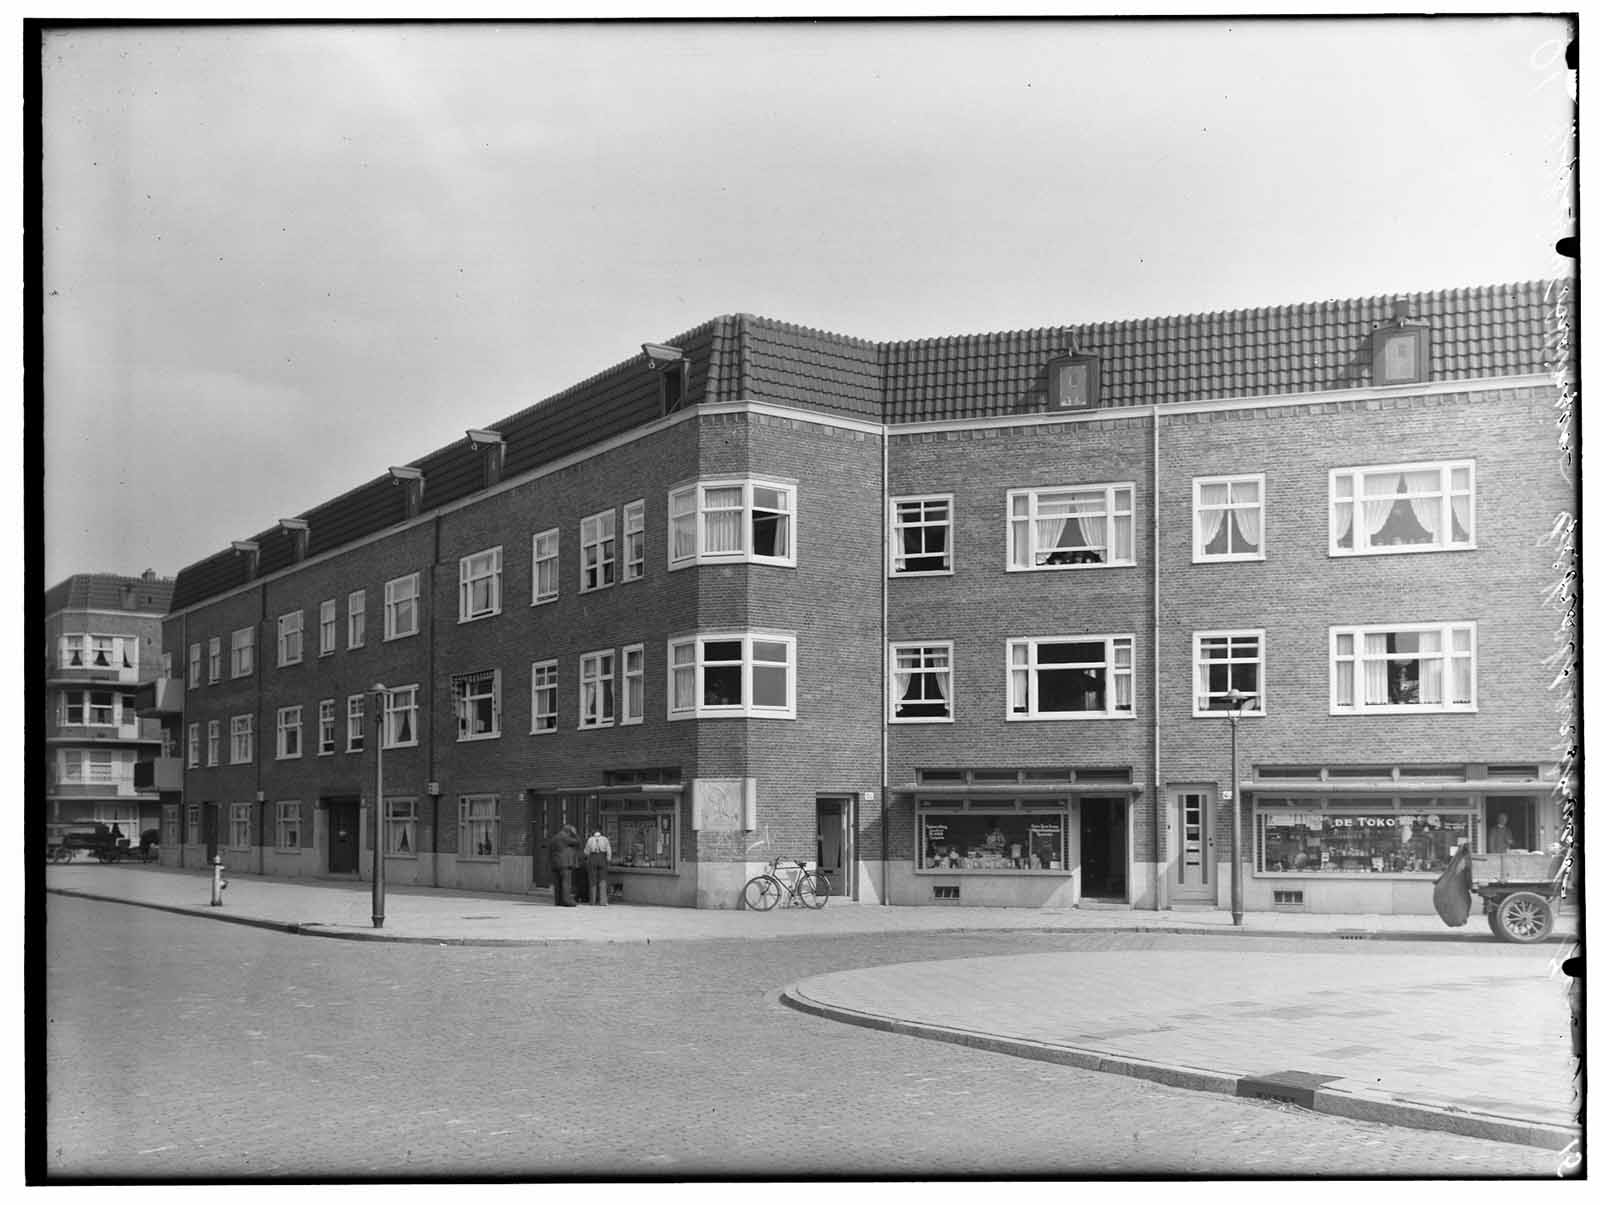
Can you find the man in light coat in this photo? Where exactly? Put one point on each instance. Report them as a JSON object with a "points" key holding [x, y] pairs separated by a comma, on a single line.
{"points": [[597, 852]]}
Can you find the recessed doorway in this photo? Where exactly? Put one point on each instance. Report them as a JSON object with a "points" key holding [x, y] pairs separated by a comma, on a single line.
{"points": [[1103, 834]]}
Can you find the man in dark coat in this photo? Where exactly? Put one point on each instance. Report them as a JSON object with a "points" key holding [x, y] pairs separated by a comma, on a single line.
{"points": [[563, 858]]}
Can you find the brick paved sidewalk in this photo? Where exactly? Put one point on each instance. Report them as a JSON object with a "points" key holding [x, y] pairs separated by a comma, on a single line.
{"points": [[343, 908], [1470, 1043]]}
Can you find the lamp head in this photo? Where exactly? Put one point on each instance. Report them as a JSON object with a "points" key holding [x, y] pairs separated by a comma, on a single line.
{"points": [[1239, 701]]}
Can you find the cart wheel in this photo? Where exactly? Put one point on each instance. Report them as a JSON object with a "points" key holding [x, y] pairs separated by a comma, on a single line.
{"points": [[1494, 924], [1525, 916]]}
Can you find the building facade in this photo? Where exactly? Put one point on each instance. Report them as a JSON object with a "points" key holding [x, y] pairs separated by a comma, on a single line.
{"points": [[103, 638], [959, 619]]}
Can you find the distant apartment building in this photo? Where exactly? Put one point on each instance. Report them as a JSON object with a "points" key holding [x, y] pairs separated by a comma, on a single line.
{"points": [[103, 639], [964, 620]]}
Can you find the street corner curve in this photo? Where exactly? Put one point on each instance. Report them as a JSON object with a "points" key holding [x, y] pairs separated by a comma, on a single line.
{"points": [[1416, 1115]]}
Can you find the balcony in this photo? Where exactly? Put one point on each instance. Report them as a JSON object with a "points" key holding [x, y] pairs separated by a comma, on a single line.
{"points": [[159, 696], [159, 774]]}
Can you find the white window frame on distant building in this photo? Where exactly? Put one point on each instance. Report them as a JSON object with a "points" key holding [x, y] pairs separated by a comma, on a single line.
{"points": [[478, 830], [400, 828], [546, 696], [547, 566], [400, 716], [287, 836], [476, 697], [242, 654], [241, 740], [401, 607], [290, 744], [1359, 669], [726, 520], [597, 689], [1364, 501], [213, 742], [327, 727], [1038, 534], [1114, 663], [193, 758], [214, 660], [1233, 659], [238, 826], [194, 665], [597, 544], [356, 619], [355, 723], [328, 627], [633, 541], [712, 675], [291, 638], [633, 684], [1230, 518], [480, 585], [922, 535], [921, 681]]}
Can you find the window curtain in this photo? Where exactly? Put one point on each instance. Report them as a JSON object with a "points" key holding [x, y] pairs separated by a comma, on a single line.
{"points": [[1426, 504], [900, 540], [1375, 510], [1091, 517], [1213, 502], [1047, 534], [1375, 669], [1247, 514], [1461, 508], [1431, 668], [902, 679], [724, 519]]}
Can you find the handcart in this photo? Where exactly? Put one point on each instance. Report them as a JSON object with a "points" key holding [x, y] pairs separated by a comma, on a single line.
{"points": [[1519, 891]]}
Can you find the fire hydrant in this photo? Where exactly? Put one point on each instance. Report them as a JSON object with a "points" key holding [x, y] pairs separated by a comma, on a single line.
{"points": [[218, 883]]}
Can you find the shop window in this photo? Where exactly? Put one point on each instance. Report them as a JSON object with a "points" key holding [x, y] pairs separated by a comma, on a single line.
{"points": [[1229, 518], [1034, 838], [1070, 678], [1357, 837], [1400, 508], [921, 535], [1089, 526], [642, 832], [921, 682], [1403, 669]]}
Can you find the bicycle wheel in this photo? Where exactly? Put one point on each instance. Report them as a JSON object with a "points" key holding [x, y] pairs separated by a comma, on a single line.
{"points": [[762, 893], [813, 890]]}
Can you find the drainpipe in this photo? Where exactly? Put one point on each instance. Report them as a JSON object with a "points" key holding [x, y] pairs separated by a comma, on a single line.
{"points": [[1163, 857], [431, 775], [261, 799], [183, 743], [883, 654]]}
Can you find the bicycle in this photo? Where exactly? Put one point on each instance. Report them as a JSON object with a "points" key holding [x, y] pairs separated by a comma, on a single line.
{"points": [[788, 880]]}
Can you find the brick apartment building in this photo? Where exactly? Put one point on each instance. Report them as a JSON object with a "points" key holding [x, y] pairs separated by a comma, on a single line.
{"points": [[958, 618], [103, 638]]}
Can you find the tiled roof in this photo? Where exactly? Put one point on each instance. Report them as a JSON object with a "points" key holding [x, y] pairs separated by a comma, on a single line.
{"points": [[109, 592], [1502, 330]]}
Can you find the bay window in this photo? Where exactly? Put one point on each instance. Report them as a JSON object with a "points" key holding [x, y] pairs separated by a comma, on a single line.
{"points": [[1402, 669], [1070, 677], [1399, 508], [1077, 527], [747, 520], [733, 674]]}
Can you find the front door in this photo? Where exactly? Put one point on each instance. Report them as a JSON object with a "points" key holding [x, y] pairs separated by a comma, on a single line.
{"points": [[833, 843], [1522, 823], [208, 829], [344, 836], [1103, 833], [1194, 879]]}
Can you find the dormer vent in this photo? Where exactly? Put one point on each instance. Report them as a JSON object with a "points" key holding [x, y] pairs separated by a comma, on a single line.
{"points": [[409, 477], [1401, 350], [251, 552], [299, 533], [492, 446], [671, 367]]}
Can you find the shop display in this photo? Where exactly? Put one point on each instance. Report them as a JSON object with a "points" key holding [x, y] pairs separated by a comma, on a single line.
{"points": [[1375, 842], [1033, 840]]}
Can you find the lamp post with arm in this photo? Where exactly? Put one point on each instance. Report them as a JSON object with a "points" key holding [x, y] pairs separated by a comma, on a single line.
{"points": [[1238, 704], [380, 695]]}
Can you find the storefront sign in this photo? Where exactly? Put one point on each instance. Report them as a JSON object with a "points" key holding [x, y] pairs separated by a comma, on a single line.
{"points": [[1363, 821], [1044, 830], [935, 832]]}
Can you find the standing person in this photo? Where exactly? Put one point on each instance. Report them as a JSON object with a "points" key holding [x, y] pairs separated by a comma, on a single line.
{"points": [[1500, 835], [563, 858], [598, 853]]}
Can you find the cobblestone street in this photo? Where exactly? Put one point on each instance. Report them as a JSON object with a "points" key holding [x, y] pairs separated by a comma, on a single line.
{"points": [[238, 1052]]}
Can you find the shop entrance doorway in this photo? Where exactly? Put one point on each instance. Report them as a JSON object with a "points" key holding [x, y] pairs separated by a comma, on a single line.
{"points": [[834, 857], [1194, 879], [1103, 827], [1522, 820], [344, 835], [549, 813]]}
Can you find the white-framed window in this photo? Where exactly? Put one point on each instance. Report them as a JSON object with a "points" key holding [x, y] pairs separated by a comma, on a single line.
{"points": [[90, 707], [214, 660], [355, 723], [192, 814], [597, 703], [1225, 661], [400, 828], [920, 683], [399, 716], [1398, 508], [241, 740], [1403, 668], [742, 520], [921, 534], [328, 627], [597, 538], [544, 696], [288, 732], [356, 619], [288, 835], [194, 665], [633, 684], [480, 585], [290, 637], [633, 540], [327, 727], [79, 650], [480, 827], [242, 661], [1229, 518], [1077, 527], [477, 703], [732, 674], [193, 760], [102, 766], [400, 607], [238, 826], [1069, 677], [213, 742], [547, 566]]}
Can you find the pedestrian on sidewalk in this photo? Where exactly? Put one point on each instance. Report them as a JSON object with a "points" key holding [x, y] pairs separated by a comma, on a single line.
{"points": [[563, 860], [597, 851]]}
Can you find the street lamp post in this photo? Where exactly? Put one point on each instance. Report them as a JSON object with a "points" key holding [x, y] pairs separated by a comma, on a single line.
{"points": [[1238, 704], [380, 694]]}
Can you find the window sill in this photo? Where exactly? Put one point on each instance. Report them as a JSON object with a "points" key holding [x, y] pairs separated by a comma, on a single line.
{"points": [[732, 714], [1248, 713], [932, 719], [477, 736], [998, 871], [893, 573], [399, 636], [288, 849], [1401, 550], [1057, 716], [474, 618], [1412, 709], [541, 602], [742, 559], [582, 727], [460, 857], [1416, 876], [1085, 565], [400, 745], [1230, 559], [657, 871], [543, 731]]}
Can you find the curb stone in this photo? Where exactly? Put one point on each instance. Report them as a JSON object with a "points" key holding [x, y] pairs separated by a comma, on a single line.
{"points": [[1337, 1102]]}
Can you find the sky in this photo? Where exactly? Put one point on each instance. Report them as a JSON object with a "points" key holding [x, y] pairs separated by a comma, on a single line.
{"points": [[279, 259]]}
